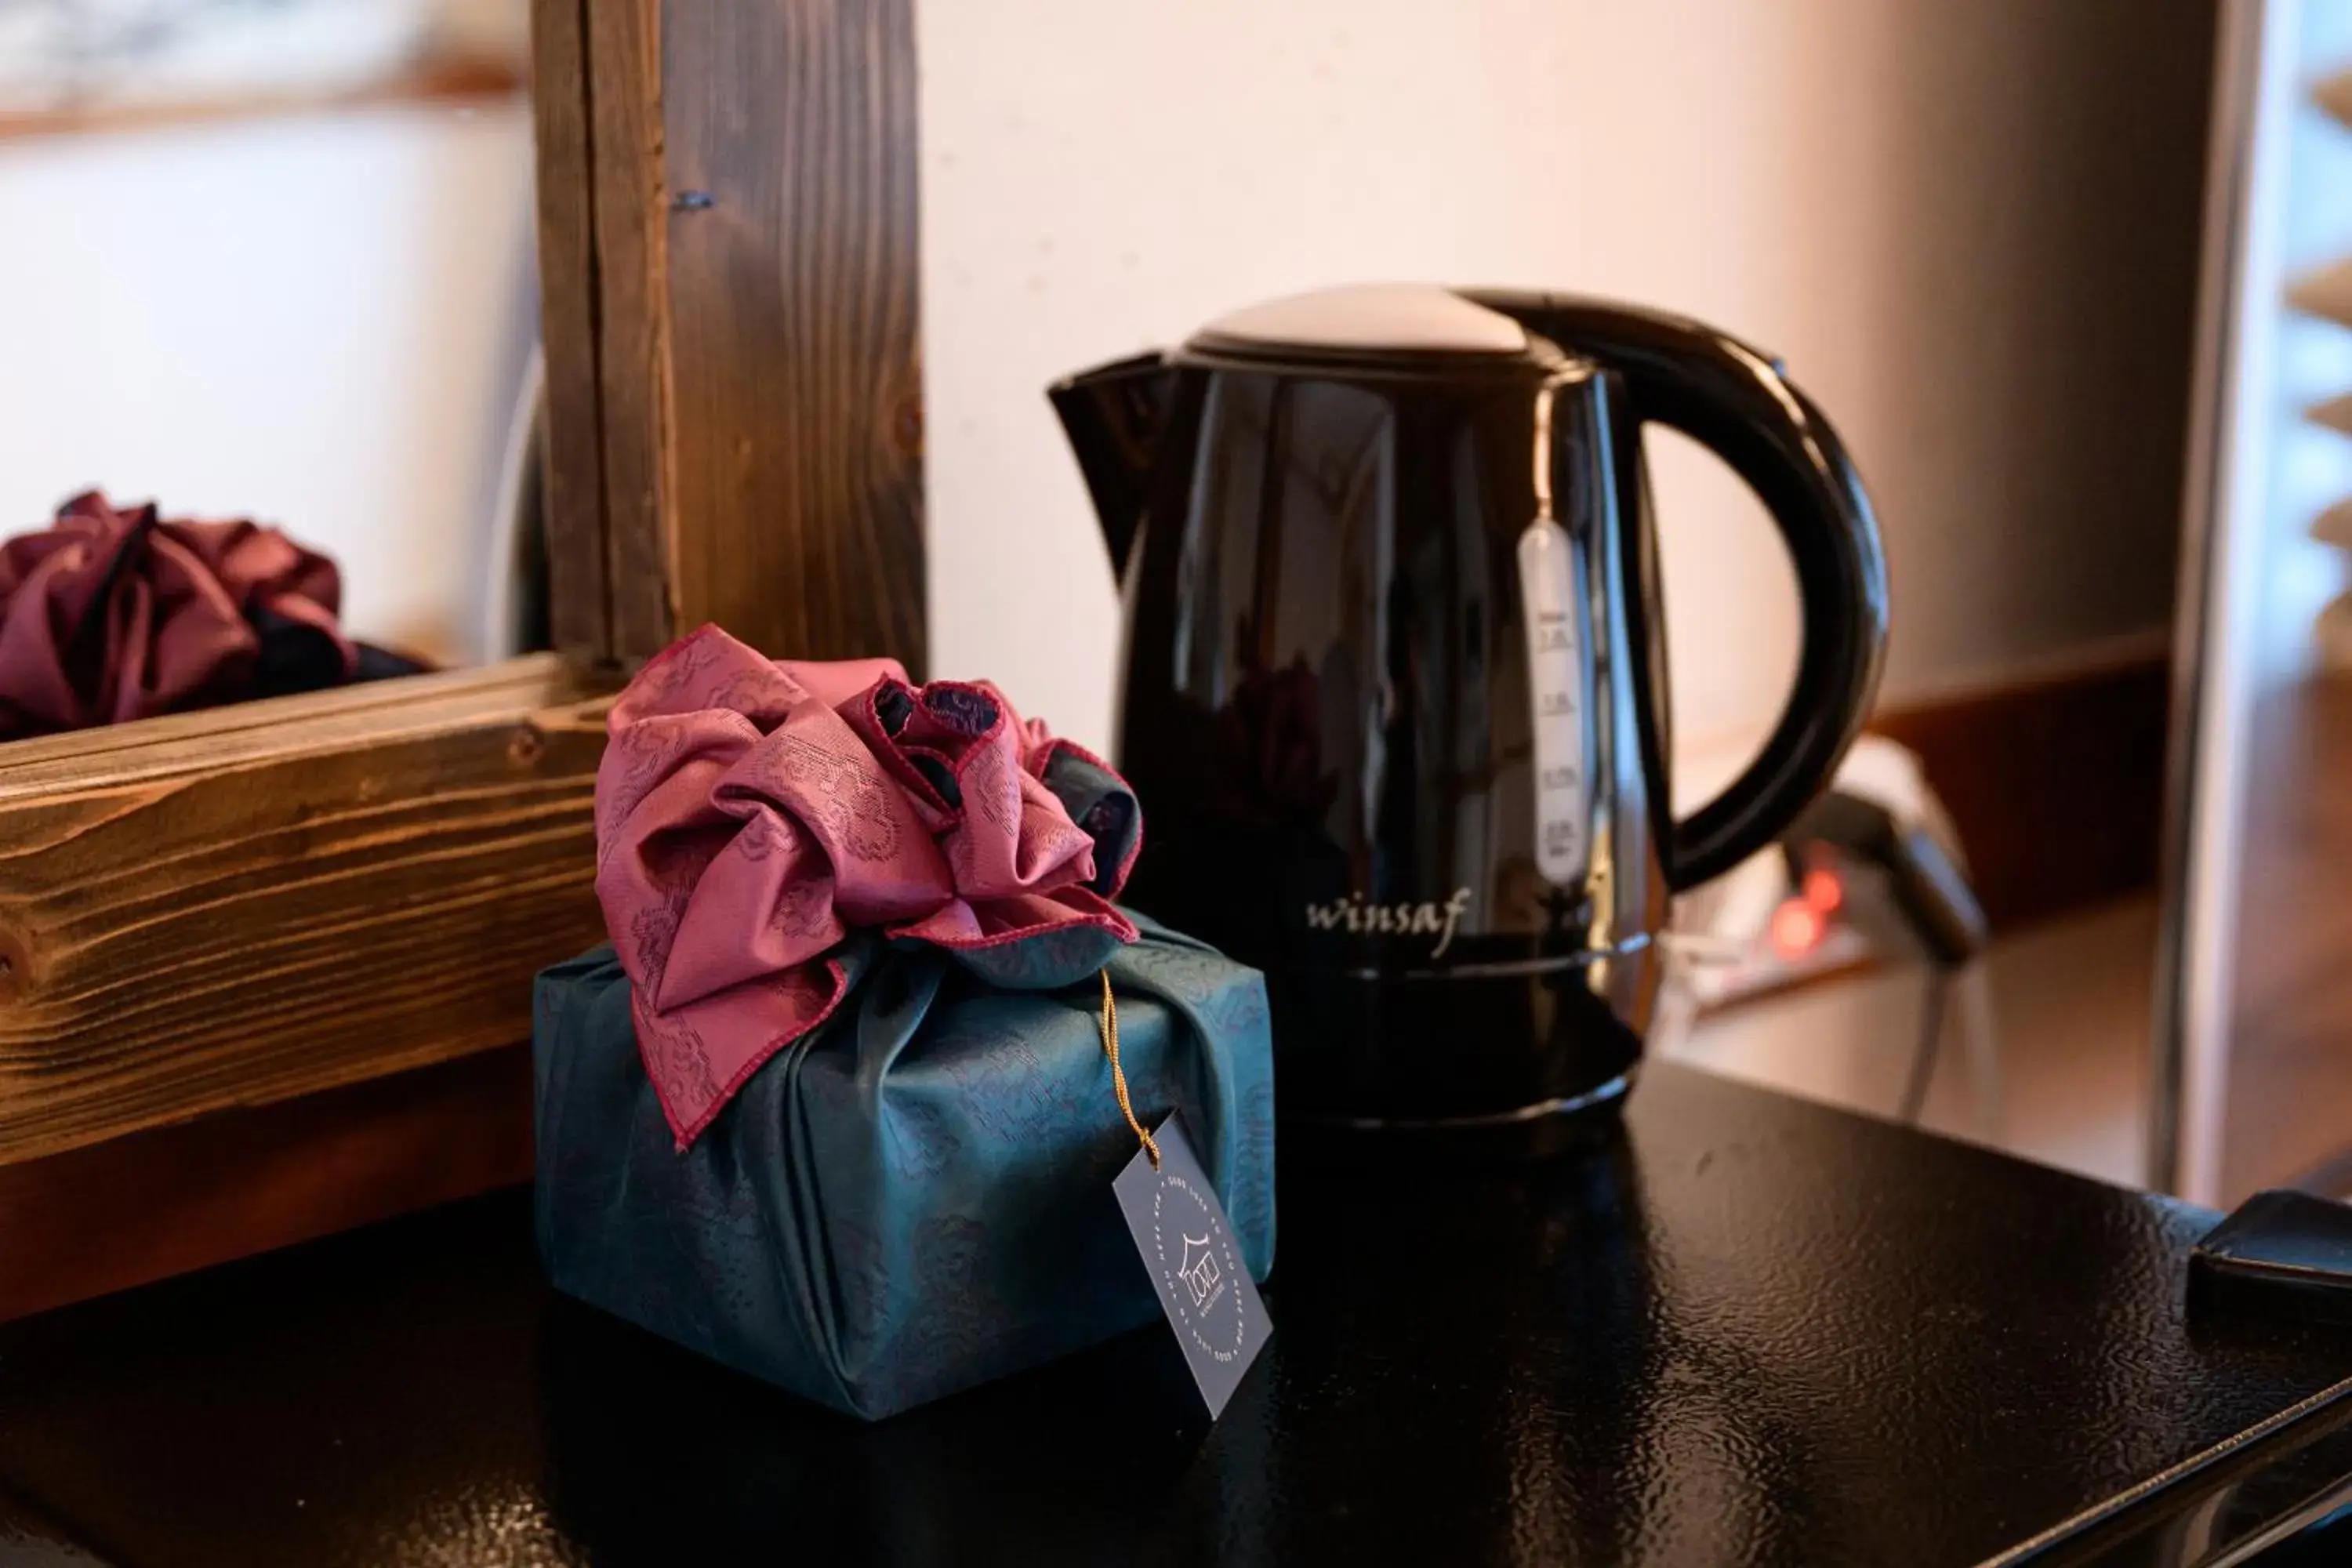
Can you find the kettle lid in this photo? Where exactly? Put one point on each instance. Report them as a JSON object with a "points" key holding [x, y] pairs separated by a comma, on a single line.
{"points": [[1366, 318]]}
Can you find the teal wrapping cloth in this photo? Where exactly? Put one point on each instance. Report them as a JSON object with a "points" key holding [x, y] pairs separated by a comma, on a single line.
{"points": [[916, 1198], [832, 1107]]}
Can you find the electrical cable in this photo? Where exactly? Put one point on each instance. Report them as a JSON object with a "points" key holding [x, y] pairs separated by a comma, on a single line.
{"points": [[1923, 1054], [1972, 1011]]}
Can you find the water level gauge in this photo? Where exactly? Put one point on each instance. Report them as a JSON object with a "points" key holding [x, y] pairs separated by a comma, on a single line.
{"points": [[1559, 686]]}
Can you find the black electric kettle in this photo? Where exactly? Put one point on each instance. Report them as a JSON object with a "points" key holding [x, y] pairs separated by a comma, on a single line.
{"points": [[1394, 691]]}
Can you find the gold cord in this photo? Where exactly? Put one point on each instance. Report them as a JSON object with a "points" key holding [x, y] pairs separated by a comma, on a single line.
{"points": [[1119, 1074]]}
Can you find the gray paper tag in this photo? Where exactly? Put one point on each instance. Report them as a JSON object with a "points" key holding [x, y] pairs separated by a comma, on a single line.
{"points": [[1189, 1250]]}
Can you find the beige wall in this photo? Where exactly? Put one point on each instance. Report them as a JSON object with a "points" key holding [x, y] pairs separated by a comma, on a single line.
{"points": [[1970, 229], [316, 320]]}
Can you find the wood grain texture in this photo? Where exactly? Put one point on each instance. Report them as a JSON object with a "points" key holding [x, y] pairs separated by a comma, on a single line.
{"points": [[632, 328], [233, 908], [579, 594], [2056, 785], [748, 179], [795, 385], [162, 1201]]}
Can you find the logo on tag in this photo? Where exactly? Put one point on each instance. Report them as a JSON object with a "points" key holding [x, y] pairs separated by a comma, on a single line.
{"points": [[1197, 1272], [1181, 1230]]}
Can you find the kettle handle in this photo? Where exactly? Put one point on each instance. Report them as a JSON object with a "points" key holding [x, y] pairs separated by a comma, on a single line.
{"points": [[1734, 401]]}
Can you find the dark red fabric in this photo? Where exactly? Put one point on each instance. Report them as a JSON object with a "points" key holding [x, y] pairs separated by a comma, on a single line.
{"points": [[111, 614], [750, 813]]}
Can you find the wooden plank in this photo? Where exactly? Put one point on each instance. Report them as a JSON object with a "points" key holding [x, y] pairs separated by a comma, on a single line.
{"points": [[216, 921], [317, 720], [748, 181], [2056, 785], [632, 324], [171, 1199], [580, 598], [791, 288]]}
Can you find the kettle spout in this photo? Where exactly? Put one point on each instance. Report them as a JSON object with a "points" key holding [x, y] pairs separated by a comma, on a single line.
{"points": [[1115, 415]]}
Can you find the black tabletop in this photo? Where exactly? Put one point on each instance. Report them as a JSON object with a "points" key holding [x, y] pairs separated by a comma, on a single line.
{"points": [[1749, 1331]]}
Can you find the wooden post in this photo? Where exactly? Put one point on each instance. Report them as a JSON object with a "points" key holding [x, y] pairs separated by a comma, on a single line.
{"points": [[727, 215]]}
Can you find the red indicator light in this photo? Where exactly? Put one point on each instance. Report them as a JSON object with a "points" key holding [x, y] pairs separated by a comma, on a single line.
{"points": [[1797, 928]]}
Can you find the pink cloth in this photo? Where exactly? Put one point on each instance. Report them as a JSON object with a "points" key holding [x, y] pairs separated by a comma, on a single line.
{"points": [[750, 813], [111, 614]]}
